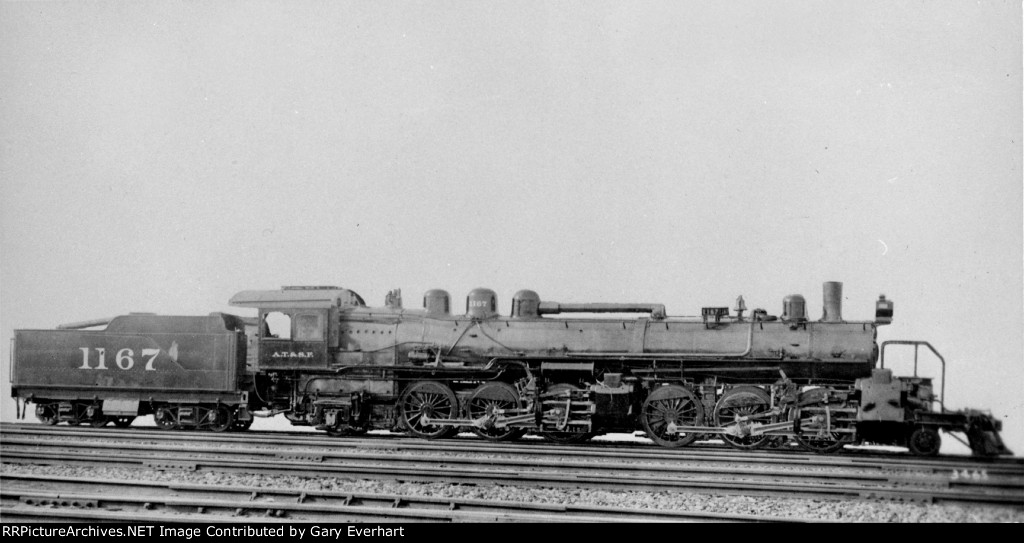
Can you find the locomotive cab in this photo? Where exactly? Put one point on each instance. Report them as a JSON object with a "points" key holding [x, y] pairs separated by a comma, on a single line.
{"points": [[293, 339], [297, 324]]}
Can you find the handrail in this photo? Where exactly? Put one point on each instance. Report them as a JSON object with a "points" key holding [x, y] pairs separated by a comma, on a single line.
{"points": [[744, 352], [657, 311], [917, 345]]}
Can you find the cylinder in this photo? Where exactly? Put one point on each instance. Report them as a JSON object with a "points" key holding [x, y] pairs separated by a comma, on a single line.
{"points": [[832, 297]]}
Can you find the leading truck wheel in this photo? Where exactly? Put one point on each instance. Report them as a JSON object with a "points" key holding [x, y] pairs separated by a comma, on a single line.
{"points": [[671, 404], [924, 441], [429, 399]]}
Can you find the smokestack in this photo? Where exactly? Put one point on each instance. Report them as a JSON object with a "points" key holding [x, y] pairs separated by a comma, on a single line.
{"points": [[833, 302]]}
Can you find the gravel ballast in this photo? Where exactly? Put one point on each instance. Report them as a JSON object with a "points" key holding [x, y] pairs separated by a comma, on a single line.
{"points": [[794, 508]]}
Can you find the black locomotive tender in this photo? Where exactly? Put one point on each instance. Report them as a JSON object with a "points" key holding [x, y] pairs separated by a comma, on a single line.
{"points": [[321, 357]]}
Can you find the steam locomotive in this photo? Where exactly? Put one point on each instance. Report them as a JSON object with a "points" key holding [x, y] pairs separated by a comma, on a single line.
{"points": [[321, 357]]}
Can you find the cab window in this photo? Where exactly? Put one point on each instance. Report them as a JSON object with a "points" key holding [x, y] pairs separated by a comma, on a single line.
{"points": [[277, 325], [308, 328]]}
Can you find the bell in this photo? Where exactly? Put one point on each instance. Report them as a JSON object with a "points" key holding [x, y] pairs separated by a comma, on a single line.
{"points": [[740, 307]]}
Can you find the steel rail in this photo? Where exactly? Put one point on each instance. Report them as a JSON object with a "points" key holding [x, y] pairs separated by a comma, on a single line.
{"points": [[706, 450], [83, 493], [172, 452], [590, 475], [945, 465]]}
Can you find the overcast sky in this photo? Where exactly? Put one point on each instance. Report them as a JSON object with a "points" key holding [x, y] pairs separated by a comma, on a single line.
{"points": [[161, 156]]}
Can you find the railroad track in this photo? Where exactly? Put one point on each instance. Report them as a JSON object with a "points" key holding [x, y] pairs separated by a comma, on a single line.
{"points": [[33, 497], [480, 463], [952, 466]]}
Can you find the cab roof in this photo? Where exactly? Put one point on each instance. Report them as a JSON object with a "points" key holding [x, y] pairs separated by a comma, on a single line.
{"points": [[297, 297]]}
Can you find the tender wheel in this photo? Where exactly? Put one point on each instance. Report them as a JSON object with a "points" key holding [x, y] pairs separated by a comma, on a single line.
{"points": [[924, 441], [488, 397], [809, 438], [219, 419], [123, 422], [165, 419], [738, 402], [671, 404], [47, 414], [572, 435], [99, 422], [432, 399]]}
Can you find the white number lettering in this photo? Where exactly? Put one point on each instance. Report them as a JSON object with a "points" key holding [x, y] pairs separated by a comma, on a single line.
{"points": [[122, 357], [151, 353]]}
